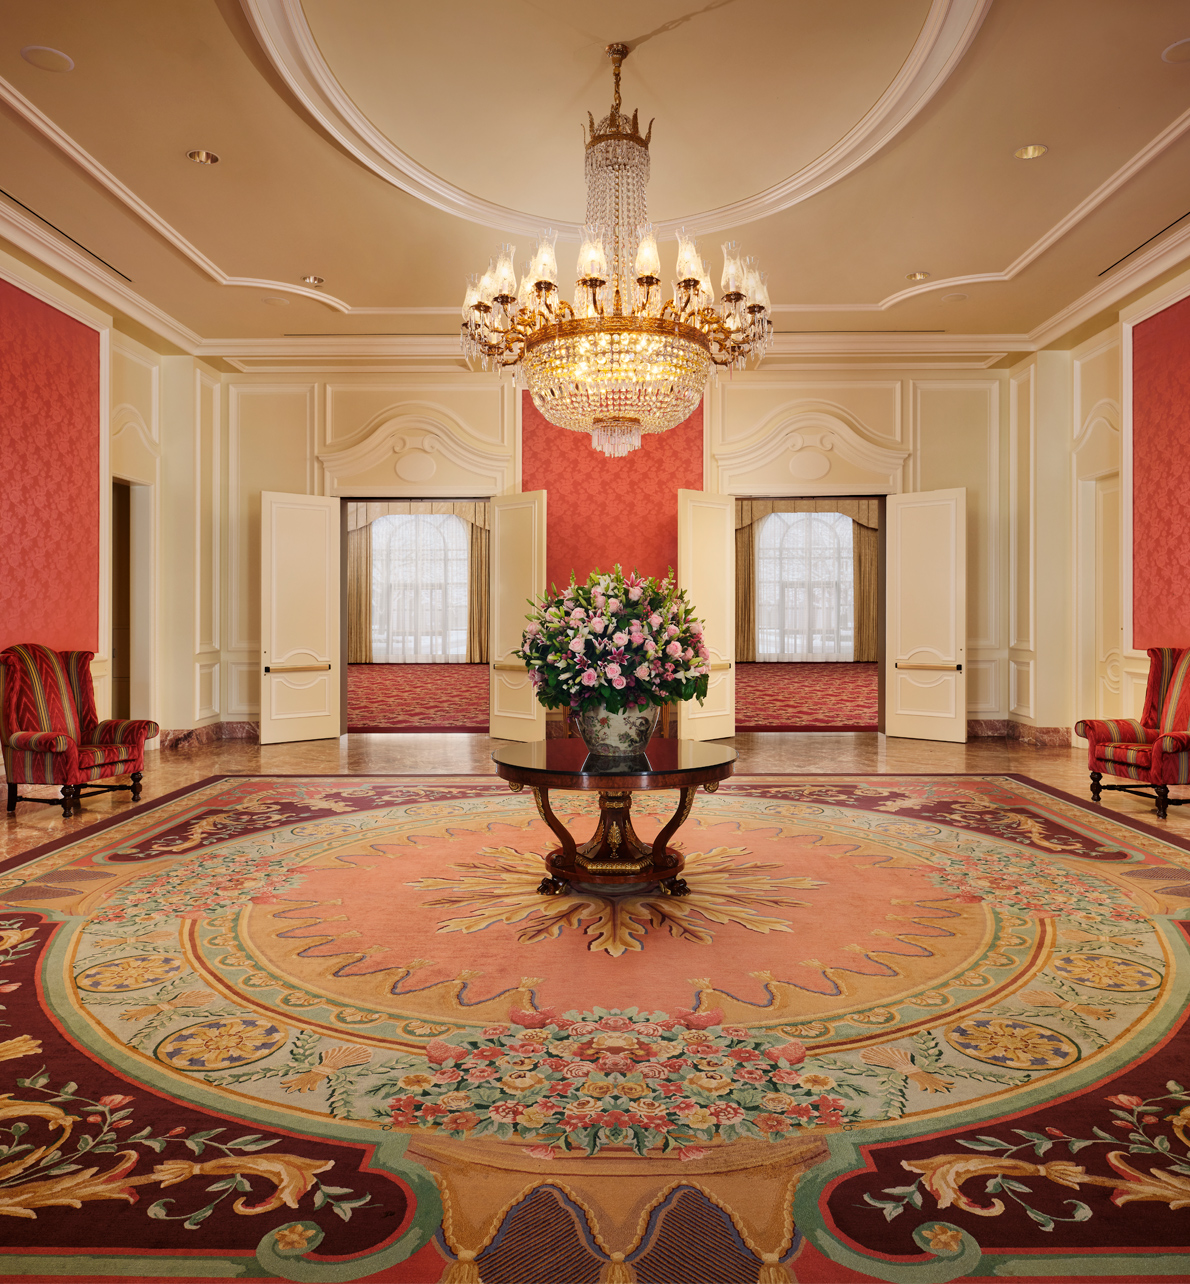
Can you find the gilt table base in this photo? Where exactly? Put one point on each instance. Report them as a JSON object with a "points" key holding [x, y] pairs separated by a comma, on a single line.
{"points": [[615, 854]]}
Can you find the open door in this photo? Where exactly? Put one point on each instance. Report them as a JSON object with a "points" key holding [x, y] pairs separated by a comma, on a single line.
{"points": [[706, 570], [927, 616], [299, 617], [518, 575]]}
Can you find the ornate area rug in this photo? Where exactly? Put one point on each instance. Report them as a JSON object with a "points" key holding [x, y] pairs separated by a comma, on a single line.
{"points": [[417, 697], [914, 1028], [806, 697]]}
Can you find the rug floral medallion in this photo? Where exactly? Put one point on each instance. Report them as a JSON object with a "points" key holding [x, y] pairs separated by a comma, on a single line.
{"points": [[913, 1027]]}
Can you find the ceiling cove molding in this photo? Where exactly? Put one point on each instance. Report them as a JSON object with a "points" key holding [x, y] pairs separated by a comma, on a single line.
{"points": [[85, 161], [60, 256], [285, 36]]}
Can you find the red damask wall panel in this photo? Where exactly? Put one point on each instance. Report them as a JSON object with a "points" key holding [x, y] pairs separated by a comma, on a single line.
{"points": [[49, 476], [1161, 479], [601, 511]]}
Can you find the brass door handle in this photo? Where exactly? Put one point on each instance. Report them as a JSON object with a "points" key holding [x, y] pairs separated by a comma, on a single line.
{"points": [[933, 668], [297, 668]]}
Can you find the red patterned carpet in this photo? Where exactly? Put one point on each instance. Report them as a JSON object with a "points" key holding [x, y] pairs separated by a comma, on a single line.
{"points": [[806, 697], [454, 697], [417, 697]]}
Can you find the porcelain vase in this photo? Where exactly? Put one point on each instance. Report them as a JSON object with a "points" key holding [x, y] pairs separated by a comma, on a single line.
{"points": [[617, 735]]}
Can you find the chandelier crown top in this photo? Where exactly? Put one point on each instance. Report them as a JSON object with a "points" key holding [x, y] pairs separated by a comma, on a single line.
{"points": [[616, 124]]}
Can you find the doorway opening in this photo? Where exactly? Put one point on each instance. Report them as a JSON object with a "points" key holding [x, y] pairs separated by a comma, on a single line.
{"points": [[415, 603], [809, 614]]}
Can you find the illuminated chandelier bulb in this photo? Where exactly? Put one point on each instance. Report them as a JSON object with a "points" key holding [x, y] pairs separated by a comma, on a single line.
{"points": [[505, 275], [689, 260], [732, 274], [471, 296], [545, 264], [648, 260], [527, 294], [487, 286]]}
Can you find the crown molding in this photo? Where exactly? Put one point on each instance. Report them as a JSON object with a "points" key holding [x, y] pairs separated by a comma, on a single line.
{"points": [[57, 254], [12, 96], [281, 29]]}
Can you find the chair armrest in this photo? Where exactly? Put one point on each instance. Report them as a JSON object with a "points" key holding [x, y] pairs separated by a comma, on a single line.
{"points": [[1173, 742], [40, 742], [123, 731], [1122, 731]]}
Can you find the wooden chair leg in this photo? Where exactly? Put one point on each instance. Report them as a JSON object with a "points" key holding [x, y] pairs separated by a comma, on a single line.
{"points": [[12, 797], [67, 800], [136, 778], [1162, 801], [1096, 791]]}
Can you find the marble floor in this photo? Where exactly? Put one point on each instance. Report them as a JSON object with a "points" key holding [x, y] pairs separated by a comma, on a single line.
{"points": [[814, 753]]}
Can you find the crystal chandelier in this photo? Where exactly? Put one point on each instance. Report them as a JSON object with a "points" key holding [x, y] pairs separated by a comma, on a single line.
{"points": [[621, 361]]}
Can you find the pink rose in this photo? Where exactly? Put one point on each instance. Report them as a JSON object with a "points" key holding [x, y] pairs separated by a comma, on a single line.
{"points": [[533, 629], [580, 1028], [612, 670], [505, 1111], [598, 624], [578, 614], [576, 1070], [794, 1053], [687, 654], [634, 594], [590, 678], [642, 671], [481, 1074], [696, 628], [619, 683], [619, 638], [616, 1024], [655, 620], [613, 605], [674, 649], [438, 1051], [786, 1076], [672, 631], [651, 1070]]}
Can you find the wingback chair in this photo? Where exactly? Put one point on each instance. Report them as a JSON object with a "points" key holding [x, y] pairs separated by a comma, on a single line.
{"points": [[1155, 751], [49, 732]]}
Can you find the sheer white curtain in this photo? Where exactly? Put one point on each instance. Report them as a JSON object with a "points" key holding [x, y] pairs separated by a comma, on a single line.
{"points": [[419, 589], [805, 598]]}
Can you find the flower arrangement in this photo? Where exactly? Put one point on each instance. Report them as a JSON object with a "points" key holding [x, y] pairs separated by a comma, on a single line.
{"points": [[618, 641], [588, 1080]]}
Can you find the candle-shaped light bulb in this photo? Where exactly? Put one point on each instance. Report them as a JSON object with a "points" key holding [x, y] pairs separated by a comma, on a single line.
{"points": [[487, 285], [527, 295], [471, 297], [751, 284]]}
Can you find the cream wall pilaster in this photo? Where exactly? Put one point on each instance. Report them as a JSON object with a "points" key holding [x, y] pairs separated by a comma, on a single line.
{"points": [[1041, 650]]}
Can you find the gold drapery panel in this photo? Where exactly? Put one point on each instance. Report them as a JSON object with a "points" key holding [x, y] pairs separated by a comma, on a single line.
{"points": [[477, 596], [359, 596], [477, 513], [865, 516], [866, 554]]}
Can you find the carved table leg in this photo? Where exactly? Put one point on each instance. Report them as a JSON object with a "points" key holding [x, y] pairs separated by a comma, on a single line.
{"points": [[662, 859]]}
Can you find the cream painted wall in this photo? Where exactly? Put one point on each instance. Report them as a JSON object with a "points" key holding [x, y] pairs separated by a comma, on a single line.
{"points": [[866, 432]]}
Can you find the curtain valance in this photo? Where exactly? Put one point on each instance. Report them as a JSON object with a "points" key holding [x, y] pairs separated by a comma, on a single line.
{"points": [[362, 513], [862, 510]]}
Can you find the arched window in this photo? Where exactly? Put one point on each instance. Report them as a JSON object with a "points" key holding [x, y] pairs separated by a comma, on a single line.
{"points": [[805, 595], [419, 589]]}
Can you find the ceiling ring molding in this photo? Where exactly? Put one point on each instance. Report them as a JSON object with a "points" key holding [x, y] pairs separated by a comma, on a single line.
{"points": [[281, 28]]}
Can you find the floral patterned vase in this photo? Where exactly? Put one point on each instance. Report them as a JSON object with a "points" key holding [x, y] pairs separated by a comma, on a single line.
{"points": [[617, 735]]}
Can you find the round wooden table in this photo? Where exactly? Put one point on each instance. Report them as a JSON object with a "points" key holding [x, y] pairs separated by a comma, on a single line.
{"points": [[615, 856]]}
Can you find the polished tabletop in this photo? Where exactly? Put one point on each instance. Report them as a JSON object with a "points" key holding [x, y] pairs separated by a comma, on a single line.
{"points": [[571, 758]]}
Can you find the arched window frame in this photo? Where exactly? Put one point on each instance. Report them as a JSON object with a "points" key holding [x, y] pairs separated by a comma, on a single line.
{"points": [[420, 589]]}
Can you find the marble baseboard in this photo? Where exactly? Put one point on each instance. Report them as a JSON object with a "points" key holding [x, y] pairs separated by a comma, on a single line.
{"points": [[986, 727], [212, 733], [1040, 737]]}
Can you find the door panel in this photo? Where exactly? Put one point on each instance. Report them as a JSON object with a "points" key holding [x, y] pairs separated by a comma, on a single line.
{"points": [[299, 617], [518, 575], [706, 570], [927, 615]]}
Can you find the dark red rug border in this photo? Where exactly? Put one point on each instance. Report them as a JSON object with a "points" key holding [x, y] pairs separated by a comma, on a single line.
{"points": [[800, 727], [43, 849]]}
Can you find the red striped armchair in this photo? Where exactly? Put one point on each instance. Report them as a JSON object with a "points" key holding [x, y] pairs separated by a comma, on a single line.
{"points": [[1154, 752], [49, 732]]}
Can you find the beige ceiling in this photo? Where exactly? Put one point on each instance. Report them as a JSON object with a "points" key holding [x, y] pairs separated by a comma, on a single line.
{"points": [[745, 92]]}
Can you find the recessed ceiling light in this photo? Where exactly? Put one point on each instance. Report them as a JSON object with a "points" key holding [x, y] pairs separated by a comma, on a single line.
{"points": [[46, 58], [202, 157], [312, 280], [1031, 152], [953, 298], [1179, 51], [916, 276], [275, 300]]}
